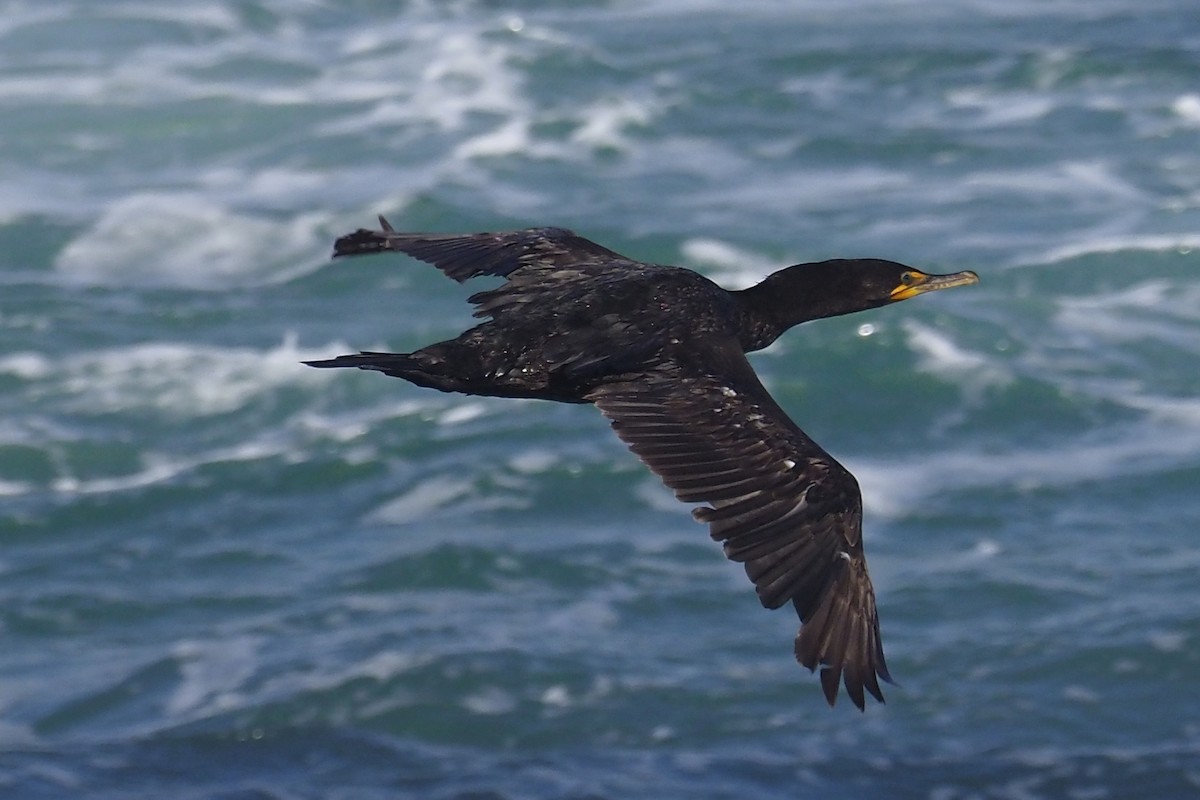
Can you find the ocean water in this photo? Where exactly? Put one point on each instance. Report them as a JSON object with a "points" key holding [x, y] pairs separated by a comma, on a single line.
{"points": [[225, 575]]}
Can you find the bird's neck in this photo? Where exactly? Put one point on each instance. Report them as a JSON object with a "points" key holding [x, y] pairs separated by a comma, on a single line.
{"points": [[790, 296], [761, 323]]}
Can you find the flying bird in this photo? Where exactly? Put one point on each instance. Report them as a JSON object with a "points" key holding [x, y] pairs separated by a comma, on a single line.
{"points": [[661, 351]]}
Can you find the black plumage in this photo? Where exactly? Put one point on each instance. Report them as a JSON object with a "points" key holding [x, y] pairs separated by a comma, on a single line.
{"points": [[661, 351]]}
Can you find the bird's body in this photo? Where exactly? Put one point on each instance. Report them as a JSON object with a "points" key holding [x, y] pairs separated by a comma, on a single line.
{"points": [[558, 337], [661, 351]]}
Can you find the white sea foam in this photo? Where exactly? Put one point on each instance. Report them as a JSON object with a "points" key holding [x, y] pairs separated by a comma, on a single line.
{"points": [[55, 195], [428, 67], [1105, 324], [464, 412], [466, 74], [510, 137], [942, 356], [1115, 325], [1168, 641], [1159, 310], [774, 188], [1174, 410], [733, 267], [1150, 242], [355, 423], [601, 124], [216, 676], [994, 109], [213, 674], [893, 487], [424, 498], [442, 74], [489, 700], [275, 187], [158, 468], [557, 696], [383, 666], [1187, 107], [14, 488], [606, 121], [150, 71], [986, 548], [443, 494], [177, 380], [1080, 694], [187, 240], [26, 366], [534, 461], [1085, 181]]}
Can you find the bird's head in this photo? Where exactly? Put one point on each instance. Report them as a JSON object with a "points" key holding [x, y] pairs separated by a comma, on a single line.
{"points": [[845, 285], [848, 285], [839, 286]]}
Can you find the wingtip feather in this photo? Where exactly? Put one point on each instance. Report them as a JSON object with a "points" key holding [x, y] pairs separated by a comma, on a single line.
{"points": [[830, 678]]}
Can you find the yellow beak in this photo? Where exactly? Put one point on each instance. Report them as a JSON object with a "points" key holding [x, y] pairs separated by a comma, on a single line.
{"points": [[918, 283]]}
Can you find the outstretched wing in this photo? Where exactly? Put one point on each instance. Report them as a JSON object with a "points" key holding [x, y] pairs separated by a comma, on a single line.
{"points": [[781, 505], [464, 256]]}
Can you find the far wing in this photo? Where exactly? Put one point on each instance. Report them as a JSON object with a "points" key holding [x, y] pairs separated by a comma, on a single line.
{"points": [[464, 256], [781, 505]]}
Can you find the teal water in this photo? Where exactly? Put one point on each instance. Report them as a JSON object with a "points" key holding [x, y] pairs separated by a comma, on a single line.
{"points": [[224, 575]]}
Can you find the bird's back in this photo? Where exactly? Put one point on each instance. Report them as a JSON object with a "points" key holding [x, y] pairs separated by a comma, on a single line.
{"points": [[576, 326]]}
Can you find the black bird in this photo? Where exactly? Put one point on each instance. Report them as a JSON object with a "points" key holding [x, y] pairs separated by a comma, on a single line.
{"points": [[661, 351]]}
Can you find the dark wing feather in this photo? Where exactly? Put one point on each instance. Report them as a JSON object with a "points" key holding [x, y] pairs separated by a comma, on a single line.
{"points": [[464, 256], [781, 505]]}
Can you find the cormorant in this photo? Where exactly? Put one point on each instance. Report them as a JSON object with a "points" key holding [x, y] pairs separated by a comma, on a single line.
{"points": [[661, 351]]}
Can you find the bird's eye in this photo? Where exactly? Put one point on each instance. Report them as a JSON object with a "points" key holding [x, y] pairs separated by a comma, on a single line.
{"points": [[907, 278]]}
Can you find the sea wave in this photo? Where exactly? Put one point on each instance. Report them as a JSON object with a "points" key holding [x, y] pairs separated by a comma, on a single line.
{"points": [[897, 487], [186, 240], [175, 379], [1181, 243]]}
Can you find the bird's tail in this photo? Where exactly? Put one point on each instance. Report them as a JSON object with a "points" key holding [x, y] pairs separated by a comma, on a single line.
{"points": [[362, 242], [399, 365], [409, 366]]}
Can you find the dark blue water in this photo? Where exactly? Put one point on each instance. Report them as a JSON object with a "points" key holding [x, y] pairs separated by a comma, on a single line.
{"points": [[224, 575]]}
